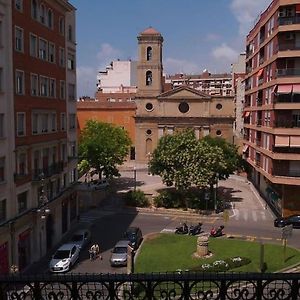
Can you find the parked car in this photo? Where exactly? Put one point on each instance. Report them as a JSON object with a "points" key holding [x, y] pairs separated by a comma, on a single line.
{"points": [[119, 254], [291, 220], [134, 236], [64, 258], [99, 184], [81, 238]]}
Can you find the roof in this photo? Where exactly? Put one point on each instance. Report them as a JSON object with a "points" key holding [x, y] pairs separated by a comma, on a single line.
{"points": [[184, 88], [150, 30]]}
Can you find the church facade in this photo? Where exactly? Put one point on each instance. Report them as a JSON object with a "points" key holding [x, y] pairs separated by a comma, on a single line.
{"points": [[160, 112]]}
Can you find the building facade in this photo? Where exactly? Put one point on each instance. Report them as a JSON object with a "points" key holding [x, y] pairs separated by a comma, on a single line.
{"points": [[162, 112], [272, 105], [38, 128]]}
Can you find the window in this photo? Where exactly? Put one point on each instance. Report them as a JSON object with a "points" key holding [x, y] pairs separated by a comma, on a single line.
{"points": [[64, 152], [42, 14], [72, 149], [33, 45], [34, 9], [62, 121], [183, 107], [19, 5], [44, 123], [3, 210], [148, 78], [71, 91], [70, 33], [19, 35], [20, 124], [149, 53], [1, 125], [2, 169], [35, 118], [22, 164], [71, 61], [219, 106], [61, 57], [22, 202], [61, 25], [34, 83], [43, 49], [52, 88], [62, 90], [20, 82], [218, 132], [72, 121], [1, 80], [50, 18], [44, 84], [51, 52], [53, 121], [149, 106]]}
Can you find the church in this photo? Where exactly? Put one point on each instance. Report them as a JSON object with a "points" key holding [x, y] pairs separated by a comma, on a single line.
{"points": [[160, 112]]}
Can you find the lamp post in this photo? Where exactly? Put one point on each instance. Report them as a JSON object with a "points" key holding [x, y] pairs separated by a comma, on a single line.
{"points": [[43, 200], [216, 192], [134, 177]]}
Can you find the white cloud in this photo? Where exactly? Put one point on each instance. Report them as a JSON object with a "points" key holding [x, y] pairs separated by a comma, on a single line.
{"points": [[173, 65], [225, 53], [87, 75], [246, 12]]}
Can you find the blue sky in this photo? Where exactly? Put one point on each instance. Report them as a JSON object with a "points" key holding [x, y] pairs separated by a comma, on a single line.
{"points": [[198, 34]]}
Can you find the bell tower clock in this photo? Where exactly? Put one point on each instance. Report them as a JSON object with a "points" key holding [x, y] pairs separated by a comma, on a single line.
{"points": [[149, 68]]}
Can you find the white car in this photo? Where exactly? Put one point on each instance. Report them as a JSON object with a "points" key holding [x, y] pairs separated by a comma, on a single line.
{"points": [[81, 238], [64, 258]]}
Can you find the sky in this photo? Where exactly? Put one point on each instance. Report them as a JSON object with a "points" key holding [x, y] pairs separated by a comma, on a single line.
{"points": [[198, 34]]}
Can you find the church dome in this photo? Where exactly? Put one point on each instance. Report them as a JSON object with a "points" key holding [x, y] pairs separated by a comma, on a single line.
{"points": [[150, 31]]}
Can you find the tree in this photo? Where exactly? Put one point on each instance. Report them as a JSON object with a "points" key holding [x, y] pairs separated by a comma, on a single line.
{"points": [[104, 146], [233, 160], [182, 160]]}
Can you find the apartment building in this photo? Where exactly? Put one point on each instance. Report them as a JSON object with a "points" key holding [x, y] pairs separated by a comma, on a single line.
{"points": [[212, 84], [272, 105], [38, 147]]}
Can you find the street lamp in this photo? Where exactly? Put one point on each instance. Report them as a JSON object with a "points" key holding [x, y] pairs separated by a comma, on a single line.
{"points": [[215, 193], [134, 177], [43, 200]]}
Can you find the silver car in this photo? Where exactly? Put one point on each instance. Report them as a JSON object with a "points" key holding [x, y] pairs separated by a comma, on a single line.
{"points": [[81, 238], [119, 254]]}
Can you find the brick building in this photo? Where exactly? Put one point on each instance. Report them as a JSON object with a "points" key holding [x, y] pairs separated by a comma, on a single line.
{"points": [[37, 128]]}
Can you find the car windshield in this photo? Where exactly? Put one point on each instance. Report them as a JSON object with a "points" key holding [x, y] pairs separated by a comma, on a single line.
{"points": [[77, 238], [120, 250], [130, 235], [61, 254]]}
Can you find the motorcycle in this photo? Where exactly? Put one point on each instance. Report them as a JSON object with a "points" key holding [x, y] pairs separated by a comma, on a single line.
{"points": [[194, 230], [217, 232], [182, 229]]}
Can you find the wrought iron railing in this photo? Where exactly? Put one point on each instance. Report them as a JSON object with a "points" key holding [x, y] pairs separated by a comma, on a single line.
{"points": [[167, 286]]}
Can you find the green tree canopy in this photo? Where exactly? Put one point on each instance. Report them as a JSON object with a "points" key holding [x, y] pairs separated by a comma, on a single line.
{"points": [[104, 146], [182, 160], [233, 160]]}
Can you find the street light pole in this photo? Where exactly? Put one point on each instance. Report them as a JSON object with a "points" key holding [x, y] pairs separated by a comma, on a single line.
{"points": [[134, 177], [215, 193]]}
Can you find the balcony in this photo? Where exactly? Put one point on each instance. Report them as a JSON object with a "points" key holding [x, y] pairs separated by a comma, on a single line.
{"points": [[285, 47], [287, 72], [258, 142], [286, 123], [259, 122], [55, 168], [185, 285], [288, 20], [279, 171]]}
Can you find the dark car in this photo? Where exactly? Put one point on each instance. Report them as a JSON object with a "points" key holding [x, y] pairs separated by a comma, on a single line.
{"points": [[291, 220], [134, 236]]}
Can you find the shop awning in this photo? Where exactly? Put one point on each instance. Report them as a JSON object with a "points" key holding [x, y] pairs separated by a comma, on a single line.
{"points": [[294, 141], [246, 114], [296, 88], [245, 148], [282, 141], [297, 8], [260, 72], [284, 88]]}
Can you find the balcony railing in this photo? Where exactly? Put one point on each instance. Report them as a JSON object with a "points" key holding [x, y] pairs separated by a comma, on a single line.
{"points": [[288, 20], [259, 122], [286, 123], [280, 171], [287, 72], [183, 285], [259, 102], [53, 169], [284, 47]]}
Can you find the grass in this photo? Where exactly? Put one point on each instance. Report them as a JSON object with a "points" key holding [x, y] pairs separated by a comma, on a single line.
{"points": [[169, 252]]}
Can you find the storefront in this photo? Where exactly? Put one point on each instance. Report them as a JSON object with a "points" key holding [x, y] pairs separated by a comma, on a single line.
{"points": [[24, 249], [4, 259]]}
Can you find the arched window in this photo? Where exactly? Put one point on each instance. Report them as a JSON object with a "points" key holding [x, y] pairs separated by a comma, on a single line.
{"points": [[149, 53], [42, 14], [50, 18], [148, 78], [34, 9], [70, 33]]}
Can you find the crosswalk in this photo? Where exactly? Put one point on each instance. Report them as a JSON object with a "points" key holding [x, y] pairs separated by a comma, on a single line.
{"points": [[249, 215]]}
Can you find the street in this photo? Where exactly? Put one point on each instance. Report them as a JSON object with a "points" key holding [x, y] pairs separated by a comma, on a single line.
{"points": [[248, 219]]}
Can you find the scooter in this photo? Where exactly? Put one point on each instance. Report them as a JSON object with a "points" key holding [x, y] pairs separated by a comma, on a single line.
{"points": [[182, 229], [217, 232], [194, 230]]}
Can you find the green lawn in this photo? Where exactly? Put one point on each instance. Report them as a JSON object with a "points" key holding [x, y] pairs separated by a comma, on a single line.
{"points": [[169, 252]]}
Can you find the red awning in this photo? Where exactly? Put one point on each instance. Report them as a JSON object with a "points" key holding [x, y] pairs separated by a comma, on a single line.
{"points": [[246, 114], [245, 148], [284, 89], [260, 72], [296, 88], [297, 8]]}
